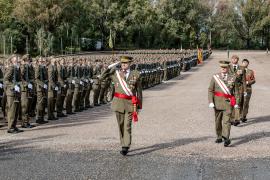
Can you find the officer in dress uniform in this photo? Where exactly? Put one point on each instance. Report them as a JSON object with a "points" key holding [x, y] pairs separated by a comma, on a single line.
{"points": [[250, 80], [127, 98], [222, 100], [239, 88]]}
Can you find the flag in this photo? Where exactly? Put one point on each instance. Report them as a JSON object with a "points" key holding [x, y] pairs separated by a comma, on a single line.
{"points": [[111, 40], [200, 56]]}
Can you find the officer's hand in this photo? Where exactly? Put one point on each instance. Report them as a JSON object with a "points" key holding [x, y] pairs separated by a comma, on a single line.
{"points": [[17, 88], [236, 106], [239, 72], [245, 94], [211, 105], [30, 86], [45, 86], [113, 65]]}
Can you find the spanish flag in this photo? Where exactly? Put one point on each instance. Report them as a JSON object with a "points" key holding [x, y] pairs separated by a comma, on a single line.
{"points": [[200, 56]]}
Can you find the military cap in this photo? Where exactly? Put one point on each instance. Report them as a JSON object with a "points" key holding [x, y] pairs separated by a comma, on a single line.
{"points": [[25, 57], [224, 63], [125, 59], [235, 57]]}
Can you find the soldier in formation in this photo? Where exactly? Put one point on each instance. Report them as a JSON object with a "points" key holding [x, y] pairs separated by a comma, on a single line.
{"points": [[49, 88]]}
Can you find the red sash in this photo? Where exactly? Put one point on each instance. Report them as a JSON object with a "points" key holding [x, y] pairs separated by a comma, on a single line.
{"points": [[227, 96], [135, 102]]}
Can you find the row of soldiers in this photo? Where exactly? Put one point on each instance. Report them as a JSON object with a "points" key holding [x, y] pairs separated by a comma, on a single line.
{"points": [[34, 87], [29, 87]]}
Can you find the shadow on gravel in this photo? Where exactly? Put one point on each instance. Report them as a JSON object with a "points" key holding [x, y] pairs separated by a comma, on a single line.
{"points": [[89, 116], [255, 121], [14, 146], [250, 137], [169, 145], [163, 86]]}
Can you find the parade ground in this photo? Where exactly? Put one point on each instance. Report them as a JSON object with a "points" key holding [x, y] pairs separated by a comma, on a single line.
{"points": [[174, 138]]}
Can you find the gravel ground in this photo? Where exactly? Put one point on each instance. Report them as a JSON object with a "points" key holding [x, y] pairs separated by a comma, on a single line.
{"points": [[174, 138]]}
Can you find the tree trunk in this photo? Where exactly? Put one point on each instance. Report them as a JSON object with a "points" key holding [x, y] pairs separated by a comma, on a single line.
{"points": [[267, 38]]}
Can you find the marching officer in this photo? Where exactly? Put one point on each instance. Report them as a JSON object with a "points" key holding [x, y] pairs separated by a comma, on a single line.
{"points": [[127, 98], [239, 88], [250, 80], [222, 100]]}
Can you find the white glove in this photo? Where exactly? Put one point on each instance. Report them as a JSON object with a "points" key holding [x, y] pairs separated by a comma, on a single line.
{"points": [[86, 81], [65, 86], [113, 65], [73, 82], [56, 88], [91, 81], [236, 106], [245, 94], [17, 88], [211, 105], [45, 86], [30, 86], [81, 83], [1, 86]]}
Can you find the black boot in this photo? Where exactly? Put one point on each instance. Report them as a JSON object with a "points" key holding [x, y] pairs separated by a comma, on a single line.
{"points": [[236, 123], [227, 142], [124, 151], [218, 140]]}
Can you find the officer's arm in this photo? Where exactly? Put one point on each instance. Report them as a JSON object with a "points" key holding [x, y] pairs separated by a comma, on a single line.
{"points": [[211, 91], [60, 78], [107, 73], [8, 76], [50, 77], [139, 92], [244, 81], [1, 75], [252, 79], [38, 78], [24, 82]]}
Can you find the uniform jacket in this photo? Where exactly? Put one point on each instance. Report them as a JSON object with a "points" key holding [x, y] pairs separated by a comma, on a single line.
{"points": [[250, 79], [52, 77], [41, 77], [240, 82], [221, 103], [11, 78], [134, 82]]}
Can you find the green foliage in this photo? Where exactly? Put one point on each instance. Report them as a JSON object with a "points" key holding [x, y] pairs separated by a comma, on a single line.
{"points": [[53, 26]]}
